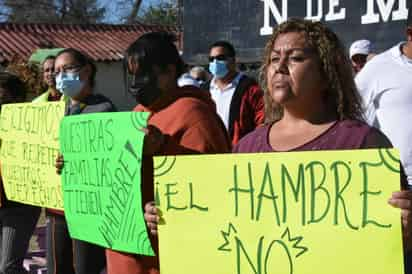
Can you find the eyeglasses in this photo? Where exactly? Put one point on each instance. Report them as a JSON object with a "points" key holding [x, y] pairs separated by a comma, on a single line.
{"points": [[220, 57]]}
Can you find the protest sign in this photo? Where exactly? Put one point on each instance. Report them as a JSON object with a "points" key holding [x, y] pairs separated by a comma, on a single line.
{"points": [[29, 134], [279, 213], [101, 179]]}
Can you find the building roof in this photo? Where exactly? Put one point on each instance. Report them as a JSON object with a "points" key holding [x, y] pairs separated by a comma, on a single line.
{"points": [[101, 42]]}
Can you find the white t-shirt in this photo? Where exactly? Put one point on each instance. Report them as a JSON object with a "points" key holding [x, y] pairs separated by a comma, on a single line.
{"points": [[385, 84], [223, 98]]}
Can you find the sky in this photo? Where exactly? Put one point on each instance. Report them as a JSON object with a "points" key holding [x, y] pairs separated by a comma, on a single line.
{"points": [[111, 8], [112, 14]]}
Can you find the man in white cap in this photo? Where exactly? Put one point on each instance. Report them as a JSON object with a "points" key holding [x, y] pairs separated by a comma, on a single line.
{"points": [[358, 53]]}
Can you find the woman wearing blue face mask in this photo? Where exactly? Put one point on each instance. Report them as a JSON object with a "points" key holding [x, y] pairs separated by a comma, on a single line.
{"points": [[75, 77]]}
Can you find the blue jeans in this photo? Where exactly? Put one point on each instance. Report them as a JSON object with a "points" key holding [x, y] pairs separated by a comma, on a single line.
{"points": [[70, 256], [16, 228]]}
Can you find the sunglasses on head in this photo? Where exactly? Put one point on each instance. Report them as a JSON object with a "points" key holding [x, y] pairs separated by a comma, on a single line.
{"points": [[220, 57]]}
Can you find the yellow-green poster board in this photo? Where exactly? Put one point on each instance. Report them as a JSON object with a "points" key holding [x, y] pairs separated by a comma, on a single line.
{"points": [[279, 213], [30, 144], [101, 179]]}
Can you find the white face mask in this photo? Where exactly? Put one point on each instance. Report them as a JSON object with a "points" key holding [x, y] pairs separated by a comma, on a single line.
{"points": [[69, 83]]}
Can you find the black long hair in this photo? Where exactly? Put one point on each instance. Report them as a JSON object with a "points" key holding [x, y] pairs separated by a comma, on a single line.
{"points": [[154, 48]]}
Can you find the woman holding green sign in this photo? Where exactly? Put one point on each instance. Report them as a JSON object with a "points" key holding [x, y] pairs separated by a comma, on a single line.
{"points": [[311, 103], [17, 221], [75, 76]]}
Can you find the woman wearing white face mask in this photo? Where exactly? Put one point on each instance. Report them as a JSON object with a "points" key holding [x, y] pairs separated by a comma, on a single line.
{"points": [[75, 76]]}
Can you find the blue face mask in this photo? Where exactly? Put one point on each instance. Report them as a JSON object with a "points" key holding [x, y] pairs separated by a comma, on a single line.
{"points": [[69, 83], [218, 68]]}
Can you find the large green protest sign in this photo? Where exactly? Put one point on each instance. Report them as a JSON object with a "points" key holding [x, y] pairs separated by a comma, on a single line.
{"points": [[101, 179], [30, 145], [279, 213]]}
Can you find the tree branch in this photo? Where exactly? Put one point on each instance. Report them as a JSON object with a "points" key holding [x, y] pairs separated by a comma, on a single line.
{"points": [[135, 10]]}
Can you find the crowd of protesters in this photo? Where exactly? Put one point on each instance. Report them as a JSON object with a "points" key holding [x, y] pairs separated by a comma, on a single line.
{"points": [[312, 94]]}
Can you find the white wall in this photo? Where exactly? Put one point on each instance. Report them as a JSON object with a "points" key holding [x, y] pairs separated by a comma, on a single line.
{"points": [[110, 82]]}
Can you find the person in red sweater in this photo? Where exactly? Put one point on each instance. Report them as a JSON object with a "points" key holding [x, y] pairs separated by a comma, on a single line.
{"points": [[238, 97], [182, 121]]}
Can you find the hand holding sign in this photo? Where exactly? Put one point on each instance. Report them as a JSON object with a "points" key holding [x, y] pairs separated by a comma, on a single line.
{"points": [[151, 217], [403, 200], [59, 163], [153, 141]]}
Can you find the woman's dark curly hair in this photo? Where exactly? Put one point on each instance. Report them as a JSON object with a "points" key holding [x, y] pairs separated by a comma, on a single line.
{"points": [[342, 93]]}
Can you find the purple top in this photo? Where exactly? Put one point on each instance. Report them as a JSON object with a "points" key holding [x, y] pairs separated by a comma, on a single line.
{"points": [[346, 134]]}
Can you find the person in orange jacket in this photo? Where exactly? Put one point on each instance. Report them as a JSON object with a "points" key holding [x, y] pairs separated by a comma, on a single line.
{"points": [[182, 121]]}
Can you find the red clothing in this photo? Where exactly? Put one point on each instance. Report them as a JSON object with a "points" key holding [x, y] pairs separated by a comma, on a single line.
{"points": [[246, 109], [188, 118]]}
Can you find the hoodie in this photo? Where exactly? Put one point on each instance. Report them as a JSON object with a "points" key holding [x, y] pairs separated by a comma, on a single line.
{"points": [[187, 116]]}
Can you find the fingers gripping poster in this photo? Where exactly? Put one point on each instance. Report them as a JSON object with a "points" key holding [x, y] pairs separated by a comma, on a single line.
{"points": [[279, 213], [29, 147], [101, 179]]}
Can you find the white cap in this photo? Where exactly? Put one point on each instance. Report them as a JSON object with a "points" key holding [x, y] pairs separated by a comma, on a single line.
{"points": [[360, 47]]}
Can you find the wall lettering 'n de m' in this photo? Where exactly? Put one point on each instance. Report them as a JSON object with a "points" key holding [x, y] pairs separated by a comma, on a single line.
{"points": [[335, 11], [309, 10], [270, 8], [385, 8]]}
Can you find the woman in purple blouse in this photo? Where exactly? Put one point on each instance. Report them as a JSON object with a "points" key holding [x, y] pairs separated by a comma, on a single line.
{"points": [[311, 103]]}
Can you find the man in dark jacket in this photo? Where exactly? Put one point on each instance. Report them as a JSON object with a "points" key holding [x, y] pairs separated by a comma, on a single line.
{"points": [[238, 98]]}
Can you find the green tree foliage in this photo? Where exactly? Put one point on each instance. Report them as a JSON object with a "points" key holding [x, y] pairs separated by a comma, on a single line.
{"points": [[165, 12], [81, 12]]}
